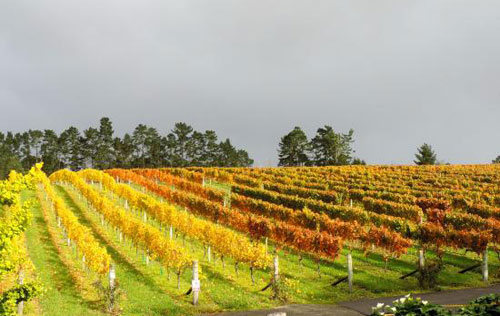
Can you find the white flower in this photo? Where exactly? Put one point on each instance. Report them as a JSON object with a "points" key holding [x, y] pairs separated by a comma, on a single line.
{"points": [[407, 296], [380, 305], [424, 302], [392, 309]]}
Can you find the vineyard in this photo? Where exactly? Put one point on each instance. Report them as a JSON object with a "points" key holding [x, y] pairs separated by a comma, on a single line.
{"points": [[182, 241]]}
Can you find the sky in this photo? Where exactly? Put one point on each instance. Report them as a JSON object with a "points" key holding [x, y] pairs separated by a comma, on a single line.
{"points": [[399, 72]]}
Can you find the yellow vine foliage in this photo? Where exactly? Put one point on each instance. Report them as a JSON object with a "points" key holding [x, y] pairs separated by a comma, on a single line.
{"points": [[96, 257], [144, 236]]}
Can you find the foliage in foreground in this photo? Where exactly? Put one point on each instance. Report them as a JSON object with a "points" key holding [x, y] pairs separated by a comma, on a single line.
{"points": [[410, 306]]}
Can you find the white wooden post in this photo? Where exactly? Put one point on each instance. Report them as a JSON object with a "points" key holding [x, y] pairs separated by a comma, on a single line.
{"points": [[421, 259], [126, 204], [58, 221], [20, 306], [195, 283], [68, 240], [208, 254], [102, 219], [83, 262], [349, 271], [266, 244], [171, 232], [351, 202], [145, 217], [484, 265], [112, 276], [276, 268]]}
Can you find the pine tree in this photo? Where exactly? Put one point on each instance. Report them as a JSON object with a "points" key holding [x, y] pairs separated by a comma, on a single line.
{"points": [[71, 143], [425, 155], [330, 148], [104, 155], [293, 148]]}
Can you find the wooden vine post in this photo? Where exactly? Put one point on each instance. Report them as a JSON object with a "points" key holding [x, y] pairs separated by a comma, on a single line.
{"points": [[195, 283], [484, 265], [112, 283], [349, 271], [421, 259], [112, 277], [20, 306], [276, 269], [208, 254]]}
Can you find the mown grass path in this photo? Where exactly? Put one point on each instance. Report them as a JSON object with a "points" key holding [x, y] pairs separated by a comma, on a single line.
{"points": [[61, 297]]}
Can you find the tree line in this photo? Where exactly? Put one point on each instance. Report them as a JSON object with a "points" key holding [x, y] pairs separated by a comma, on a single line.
{"points": [[326, 148], [99, 148]]}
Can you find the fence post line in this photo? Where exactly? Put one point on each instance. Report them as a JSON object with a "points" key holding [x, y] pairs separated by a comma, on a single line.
{"points": [[484, 265], [195, 283], [208, 254], [349, 271], [171, 232]]}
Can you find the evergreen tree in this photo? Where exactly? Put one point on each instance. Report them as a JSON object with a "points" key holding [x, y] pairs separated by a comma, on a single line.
{"points": [[293, 148], [197, 149], [358, 161], [154, 149], [330, 148], [231, 157], [180, 144], [425, 155], [105, 156], [71, 143], [50, 151], [124, 151], [139, 140], [91, 143], [496, 160], [9, 160], [211, 150]]}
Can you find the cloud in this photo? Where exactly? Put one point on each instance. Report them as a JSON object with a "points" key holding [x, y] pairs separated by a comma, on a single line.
{"points": [[399, 72]]}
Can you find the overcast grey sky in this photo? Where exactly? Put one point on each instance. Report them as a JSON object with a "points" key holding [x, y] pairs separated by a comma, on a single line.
{"points": [[399, 72]]}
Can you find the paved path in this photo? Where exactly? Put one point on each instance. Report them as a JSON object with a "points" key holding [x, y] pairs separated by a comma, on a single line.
{"points": [[299, 310], [364, 306], [450, 297]]}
